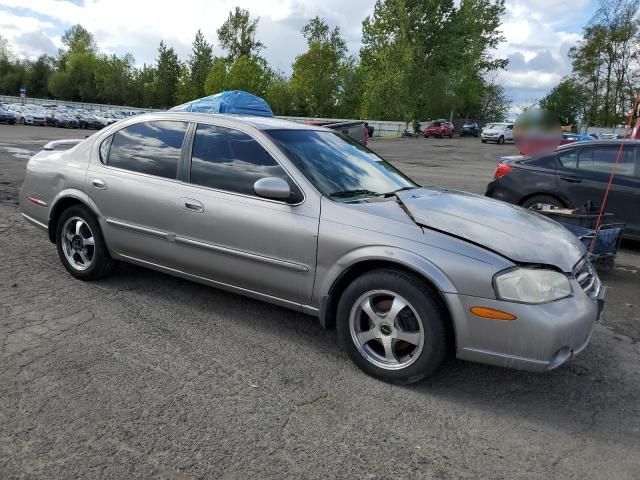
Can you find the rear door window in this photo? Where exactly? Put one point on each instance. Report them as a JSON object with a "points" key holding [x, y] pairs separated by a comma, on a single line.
{"points": [[230, 160], [152, 148], [601, 160]]}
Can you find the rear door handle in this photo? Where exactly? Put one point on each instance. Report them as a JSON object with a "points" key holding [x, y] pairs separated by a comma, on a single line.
{"points": [[193, 205], [99, 184], [571, 178]]}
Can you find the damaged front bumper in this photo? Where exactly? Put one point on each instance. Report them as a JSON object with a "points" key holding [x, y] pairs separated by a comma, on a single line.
{"points": [[542, 337]]}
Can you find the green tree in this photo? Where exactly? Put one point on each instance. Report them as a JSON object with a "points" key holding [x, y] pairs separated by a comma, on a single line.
{"points": [[237, 35], [317, 80], [38, 76], [567, 101], [77, 61], [6, 54], [607, 60], [423, 59], [199, 63], [114, 79], [217, 78], [184, 90], [79, 39], [494, 103], [251, 74], [143, 89], [278, 95], [166, 77]]}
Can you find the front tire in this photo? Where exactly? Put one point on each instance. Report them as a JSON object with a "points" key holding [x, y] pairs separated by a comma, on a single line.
{"points": [[501, 140], [484, 141], [81, 246], [392, 326]]}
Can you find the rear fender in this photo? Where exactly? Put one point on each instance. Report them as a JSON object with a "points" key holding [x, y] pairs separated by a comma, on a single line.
{"points": [[58, 204]]}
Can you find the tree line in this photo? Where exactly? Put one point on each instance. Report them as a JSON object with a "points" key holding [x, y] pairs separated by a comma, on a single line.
{"points": [[420, 59], [605, 69]]}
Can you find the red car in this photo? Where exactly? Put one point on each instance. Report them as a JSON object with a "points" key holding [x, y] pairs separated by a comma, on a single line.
{"points": [[439, 129]]}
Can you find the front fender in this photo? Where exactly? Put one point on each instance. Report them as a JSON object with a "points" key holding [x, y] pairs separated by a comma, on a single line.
{"points": [[404, 258]]}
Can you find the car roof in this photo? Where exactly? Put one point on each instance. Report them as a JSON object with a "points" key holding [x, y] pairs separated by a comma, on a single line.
{"points": [[260, 123], [600, 142]]}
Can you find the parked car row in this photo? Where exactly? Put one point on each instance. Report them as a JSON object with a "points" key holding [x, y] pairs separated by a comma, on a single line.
{"points": [[59, 116], [499, 132]]}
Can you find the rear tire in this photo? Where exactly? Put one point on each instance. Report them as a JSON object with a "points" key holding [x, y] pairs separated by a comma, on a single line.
{"points": [[402, 338], [537, 201], [81, 246]]}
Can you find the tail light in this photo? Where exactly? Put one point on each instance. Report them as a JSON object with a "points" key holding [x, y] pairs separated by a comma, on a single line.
{"points": [[502, 170]]}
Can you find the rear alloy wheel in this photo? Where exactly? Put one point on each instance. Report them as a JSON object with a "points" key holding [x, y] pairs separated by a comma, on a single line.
{"points": [[539, 202], [81, 246], [392, 326], [501, 140]]}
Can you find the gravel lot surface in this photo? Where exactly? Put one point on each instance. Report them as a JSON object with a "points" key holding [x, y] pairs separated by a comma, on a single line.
{"points": [[143, 375]]}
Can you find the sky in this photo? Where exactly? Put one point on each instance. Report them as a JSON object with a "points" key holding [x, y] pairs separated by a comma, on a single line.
{"points": [[538, 33]]}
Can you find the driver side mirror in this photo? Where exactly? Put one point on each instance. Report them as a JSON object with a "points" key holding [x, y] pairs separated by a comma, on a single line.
{"points": [[274, 188]]}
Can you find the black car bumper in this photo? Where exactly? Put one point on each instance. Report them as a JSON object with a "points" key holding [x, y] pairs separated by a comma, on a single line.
{"points": [[500, 191]]}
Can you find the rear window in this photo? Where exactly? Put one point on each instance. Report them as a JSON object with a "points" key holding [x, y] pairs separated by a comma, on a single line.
{"points": [[152, 148]]}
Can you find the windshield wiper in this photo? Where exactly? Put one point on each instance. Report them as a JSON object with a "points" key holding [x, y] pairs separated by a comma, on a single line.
{"points": [[391, 194], [353, 193]]}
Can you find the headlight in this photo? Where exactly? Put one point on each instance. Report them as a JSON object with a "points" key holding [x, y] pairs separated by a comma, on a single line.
{"points": [[532, 285]]}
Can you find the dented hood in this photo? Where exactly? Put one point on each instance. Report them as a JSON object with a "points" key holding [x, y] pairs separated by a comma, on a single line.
{"points": [[513, 232]]}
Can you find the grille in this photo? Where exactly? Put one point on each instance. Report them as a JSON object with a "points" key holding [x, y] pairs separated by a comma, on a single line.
{"points": [[587, 278]]}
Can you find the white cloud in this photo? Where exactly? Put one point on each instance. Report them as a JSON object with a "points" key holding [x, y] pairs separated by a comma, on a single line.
{"points": [[538, 32], [138, 26]]}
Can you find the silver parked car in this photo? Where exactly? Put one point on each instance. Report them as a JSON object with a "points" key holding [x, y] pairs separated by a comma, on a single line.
{"points": [[305, 218]]}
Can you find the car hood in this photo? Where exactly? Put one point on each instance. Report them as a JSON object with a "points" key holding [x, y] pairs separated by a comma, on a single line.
{"points": [[518, 234]]}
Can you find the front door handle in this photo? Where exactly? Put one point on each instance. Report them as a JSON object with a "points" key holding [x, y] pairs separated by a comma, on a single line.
{"points": [[99, 184], [571, 178], [193, 205]]}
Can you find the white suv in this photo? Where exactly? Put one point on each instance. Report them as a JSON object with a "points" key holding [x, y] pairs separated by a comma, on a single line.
{"points": [[497, 132]]}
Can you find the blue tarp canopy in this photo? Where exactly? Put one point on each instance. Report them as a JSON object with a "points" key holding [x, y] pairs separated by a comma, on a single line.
{"points": [[233, 101]]}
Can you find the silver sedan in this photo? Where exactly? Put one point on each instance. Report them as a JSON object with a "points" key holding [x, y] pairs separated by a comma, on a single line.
{"points": [[302, 217]]}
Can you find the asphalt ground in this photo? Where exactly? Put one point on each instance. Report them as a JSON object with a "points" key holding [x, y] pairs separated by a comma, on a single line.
{"points": [[142, 375]]}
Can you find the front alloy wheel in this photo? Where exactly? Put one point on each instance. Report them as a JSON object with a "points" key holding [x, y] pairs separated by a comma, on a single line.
{"points": [[386, 329], [393, 325]]}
